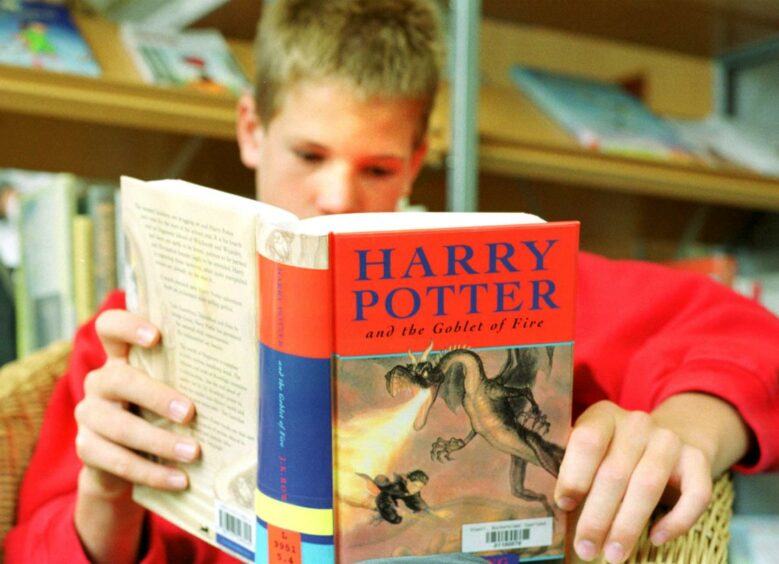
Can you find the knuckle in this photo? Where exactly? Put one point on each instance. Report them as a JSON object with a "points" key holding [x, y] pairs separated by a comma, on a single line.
{"points": [[613, 474], [82, 445], [91, 382], [121, 467], [593, 529], [649, 483], [81, 412], [667, 440], [589, 438], [638, 421]]}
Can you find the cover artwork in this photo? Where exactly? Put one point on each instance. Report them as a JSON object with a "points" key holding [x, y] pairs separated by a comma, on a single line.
{"points": [[43, 36], [451, 451]]}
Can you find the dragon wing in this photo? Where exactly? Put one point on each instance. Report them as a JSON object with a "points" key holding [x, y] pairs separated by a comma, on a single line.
{"points": [[453, 387], [519, 370]]}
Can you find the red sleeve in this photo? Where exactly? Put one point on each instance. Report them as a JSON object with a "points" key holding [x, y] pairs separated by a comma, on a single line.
{"points": [[645, 332], [45, 531]]}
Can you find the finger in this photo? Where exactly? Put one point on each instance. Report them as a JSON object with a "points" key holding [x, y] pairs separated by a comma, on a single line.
{"points": [[587, 445], [130, 431], [123, 383], [643, 493], [117, 329], [693, 473], [97, 452], [610, 483]]}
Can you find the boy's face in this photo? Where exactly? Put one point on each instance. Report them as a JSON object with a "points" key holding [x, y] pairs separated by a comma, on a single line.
{"points": [[326, 151]]}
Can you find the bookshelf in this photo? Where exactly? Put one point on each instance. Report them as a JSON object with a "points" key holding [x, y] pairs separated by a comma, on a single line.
{"points": [[516, 139]]}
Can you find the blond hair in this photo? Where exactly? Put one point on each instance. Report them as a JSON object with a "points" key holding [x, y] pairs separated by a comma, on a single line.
{"points": [[381, 48]]}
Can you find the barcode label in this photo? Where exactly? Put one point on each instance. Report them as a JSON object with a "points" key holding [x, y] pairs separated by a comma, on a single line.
{"points": [[236, 525], [503, 535]]}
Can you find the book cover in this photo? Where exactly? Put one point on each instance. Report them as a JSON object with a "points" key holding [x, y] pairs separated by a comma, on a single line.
{"points": [[602, 116], [197, 59], [44, 36], [415, 387]]}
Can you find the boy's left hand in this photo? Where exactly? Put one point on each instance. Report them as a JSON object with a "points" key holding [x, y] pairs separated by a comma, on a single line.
{"points": [[622, 462]]}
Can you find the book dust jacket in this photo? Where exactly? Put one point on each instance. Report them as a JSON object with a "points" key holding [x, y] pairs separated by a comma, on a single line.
{"points": [[450, 357]]}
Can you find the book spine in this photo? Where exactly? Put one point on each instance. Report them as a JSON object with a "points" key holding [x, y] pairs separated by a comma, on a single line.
{"points": [[294, 495], [83, 267]]}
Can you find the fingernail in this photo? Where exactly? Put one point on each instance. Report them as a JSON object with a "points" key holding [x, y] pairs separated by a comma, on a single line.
{"points": [[145, 335], [178, 409], [659, 537], [614, 552], [586, 549], [566, 503], [185, 451], [177, 480]]}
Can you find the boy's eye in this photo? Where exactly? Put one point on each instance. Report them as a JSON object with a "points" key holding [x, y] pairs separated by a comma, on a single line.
{"points": [[379, 171], [309, 156]]}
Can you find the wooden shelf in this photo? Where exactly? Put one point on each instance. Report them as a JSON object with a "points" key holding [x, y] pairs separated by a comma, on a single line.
{"points": [[696, 27], [518, 139], [118, 97]]}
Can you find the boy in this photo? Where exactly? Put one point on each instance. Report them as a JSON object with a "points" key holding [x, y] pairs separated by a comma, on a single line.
{"points": [[344, 88]]}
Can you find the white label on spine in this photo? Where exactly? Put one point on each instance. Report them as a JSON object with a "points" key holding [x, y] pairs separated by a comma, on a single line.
{"points": [[236, 525], [505, 535]]}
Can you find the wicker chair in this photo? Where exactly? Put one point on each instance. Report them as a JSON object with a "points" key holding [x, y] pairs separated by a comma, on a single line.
{"points": [[25, 387]]}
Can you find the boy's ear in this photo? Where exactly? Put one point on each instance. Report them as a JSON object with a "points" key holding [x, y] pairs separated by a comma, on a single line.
{"points": [[418, 159], [248, 131]]}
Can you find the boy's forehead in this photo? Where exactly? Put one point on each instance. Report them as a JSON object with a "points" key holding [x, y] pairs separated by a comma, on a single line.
{"points": [[327, 107]]}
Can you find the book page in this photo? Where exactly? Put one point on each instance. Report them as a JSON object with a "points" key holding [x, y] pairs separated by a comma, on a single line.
{"points": [[192, 272]]}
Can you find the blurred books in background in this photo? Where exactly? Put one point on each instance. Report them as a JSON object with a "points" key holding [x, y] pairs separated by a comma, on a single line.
{"points": [[58, 255]]}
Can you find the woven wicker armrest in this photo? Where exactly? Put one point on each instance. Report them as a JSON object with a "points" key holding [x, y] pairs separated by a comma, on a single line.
{"points": [[25, 388], [706, 542]]}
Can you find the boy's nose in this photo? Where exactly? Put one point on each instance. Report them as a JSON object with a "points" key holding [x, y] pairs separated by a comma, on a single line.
{"points": [[337, 192]]}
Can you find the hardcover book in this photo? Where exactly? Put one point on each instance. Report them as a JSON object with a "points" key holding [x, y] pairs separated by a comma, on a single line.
{"points": [[602, 116], [197, 59], [412, 371], [43, 36]]}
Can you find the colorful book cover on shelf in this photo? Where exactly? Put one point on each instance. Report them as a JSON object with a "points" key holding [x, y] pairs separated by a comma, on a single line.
{"points": [[44, 36], [602, 116], [415, 388], [198, 59]]}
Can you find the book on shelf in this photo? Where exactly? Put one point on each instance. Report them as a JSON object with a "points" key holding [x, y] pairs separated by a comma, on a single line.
{"points": [[45, 289], [153, 14], [412, 372], [602, 116], [44, 36], [196, 59], [720, 138]]}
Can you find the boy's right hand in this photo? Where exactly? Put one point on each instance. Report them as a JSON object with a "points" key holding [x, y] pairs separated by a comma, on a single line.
{"points": [[110, 438]]}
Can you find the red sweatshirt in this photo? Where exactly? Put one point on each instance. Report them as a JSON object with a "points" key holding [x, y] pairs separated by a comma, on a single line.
{"points": [[643, 333]]}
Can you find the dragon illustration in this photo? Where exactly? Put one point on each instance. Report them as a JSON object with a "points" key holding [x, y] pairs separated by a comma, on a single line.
{"points": [[502, 410]]}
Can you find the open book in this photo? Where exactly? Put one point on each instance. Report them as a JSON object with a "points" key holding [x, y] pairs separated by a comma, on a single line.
{"points": [[412, 371]]}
